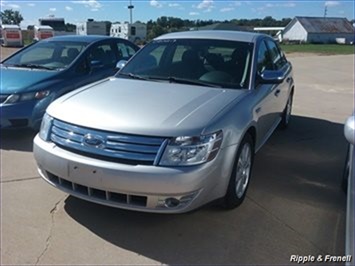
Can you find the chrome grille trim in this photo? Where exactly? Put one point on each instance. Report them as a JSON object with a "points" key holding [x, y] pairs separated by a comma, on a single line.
{"points": [[115, 145]]}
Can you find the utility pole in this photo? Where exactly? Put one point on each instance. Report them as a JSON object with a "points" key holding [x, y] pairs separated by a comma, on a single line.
{"points": [[325, 11], [130, 7]]}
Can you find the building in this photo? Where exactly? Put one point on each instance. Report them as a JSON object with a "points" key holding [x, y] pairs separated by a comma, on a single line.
{"points": [[57, 24], [134, 32], [319, 30], [271, 31], [91, 27]]}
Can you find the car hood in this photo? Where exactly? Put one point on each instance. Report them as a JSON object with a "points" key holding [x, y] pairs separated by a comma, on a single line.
{"points": [[143, 107], [17, 80]]}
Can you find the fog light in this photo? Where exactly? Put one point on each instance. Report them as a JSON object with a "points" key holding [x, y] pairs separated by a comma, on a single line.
{"points": [[172, 202]]}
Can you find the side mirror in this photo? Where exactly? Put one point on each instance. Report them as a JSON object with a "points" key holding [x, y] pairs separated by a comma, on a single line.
{"points": [[349, 130], [271, 77], [121, 64]]}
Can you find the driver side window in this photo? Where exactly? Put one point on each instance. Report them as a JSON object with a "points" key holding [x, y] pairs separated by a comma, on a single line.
{"points": [[102, 54]]}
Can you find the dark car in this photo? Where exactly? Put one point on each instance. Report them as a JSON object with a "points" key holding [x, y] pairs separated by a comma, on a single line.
{"points": [[41, 72]]}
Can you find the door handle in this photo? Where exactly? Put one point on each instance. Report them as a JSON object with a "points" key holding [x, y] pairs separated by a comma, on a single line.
{"points": [[277, 92]]}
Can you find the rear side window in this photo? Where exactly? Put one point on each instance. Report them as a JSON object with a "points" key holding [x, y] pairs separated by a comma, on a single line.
{"points": [[124, 51]]}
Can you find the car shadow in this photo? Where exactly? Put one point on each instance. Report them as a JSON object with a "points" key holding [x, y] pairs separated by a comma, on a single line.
{"points": [[17, 139], [297, 170], [304, 163]]}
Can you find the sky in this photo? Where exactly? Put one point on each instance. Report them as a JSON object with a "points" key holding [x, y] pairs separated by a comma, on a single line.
{"points": [[77, 11]]}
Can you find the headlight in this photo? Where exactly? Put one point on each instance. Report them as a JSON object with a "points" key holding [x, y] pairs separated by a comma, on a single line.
{"points": [[34, 95], [184, 151], [45, 131], [13, 98]]}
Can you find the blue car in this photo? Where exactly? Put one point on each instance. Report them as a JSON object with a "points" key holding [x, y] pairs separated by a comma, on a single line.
{"points": [[41, 72]]}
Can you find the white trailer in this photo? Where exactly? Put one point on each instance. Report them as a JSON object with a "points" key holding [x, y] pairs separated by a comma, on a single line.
{"points": [[134, 32], [43, 32], [11, 35], [91, 27]]}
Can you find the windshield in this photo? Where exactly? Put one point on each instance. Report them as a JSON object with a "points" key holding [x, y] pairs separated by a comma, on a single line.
{"points": [[218, 63], [47, 55]]}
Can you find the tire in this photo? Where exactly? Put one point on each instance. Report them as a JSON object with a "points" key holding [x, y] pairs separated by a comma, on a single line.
{"points": [[241, 173], [286, 114]]}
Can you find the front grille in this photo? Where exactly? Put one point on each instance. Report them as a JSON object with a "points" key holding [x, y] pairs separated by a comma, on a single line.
{"points": [[108, 196], [3, 97], [123, 148]]}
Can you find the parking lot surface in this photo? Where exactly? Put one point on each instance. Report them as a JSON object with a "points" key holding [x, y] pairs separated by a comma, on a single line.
{"points": [[294, 205]]}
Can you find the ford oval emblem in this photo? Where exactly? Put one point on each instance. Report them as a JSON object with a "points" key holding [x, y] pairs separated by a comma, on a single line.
{"points": [[93, 141]]}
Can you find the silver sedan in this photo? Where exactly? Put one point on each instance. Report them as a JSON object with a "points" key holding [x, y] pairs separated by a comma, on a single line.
{"points": [[175, 128]]}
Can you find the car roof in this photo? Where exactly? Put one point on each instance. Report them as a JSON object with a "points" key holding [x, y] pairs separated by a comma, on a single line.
{"points": [[80, 38], [242, 36]]}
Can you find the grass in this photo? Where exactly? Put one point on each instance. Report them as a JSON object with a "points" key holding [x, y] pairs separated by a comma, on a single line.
{"points": [[27, 42], [325, 49]]}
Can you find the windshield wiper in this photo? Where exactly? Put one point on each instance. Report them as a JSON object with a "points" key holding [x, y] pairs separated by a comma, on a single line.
{"points": [[33, 66], [171, 80], [186, 81], [133, 76]]}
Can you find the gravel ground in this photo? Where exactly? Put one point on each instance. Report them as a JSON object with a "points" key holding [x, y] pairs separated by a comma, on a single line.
{"points": [[6, 51]]}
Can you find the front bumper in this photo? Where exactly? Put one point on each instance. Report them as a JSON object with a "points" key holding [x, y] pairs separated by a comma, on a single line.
{"points": [[134, 187], [23, 114], [19, 115]]}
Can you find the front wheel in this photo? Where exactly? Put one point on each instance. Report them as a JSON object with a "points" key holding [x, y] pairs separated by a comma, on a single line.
{"points": [[286, 115], [239, 180]]}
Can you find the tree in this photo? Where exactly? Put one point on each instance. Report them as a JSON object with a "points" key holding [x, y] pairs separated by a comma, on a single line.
{"points": [[9, 16], [156, 31], [171, 24], [70, 27]]}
